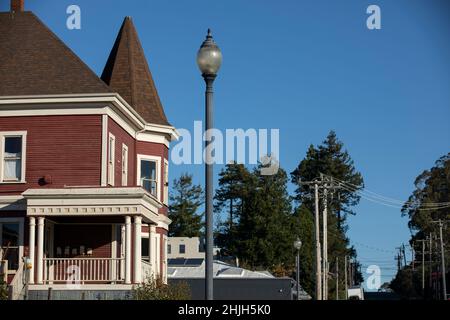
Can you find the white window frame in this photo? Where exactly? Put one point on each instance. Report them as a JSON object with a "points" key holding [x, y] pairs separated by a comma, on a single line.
{"points": [[23, 135], [166, 182], [21, 222], [125, 156], [156, 159], [165, 243], [111, 154]]}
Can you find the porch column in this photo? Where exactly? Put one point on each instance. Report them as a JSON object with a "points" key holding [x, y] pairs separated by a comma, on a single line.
{"points": [[40, 250], [31, 246], [137, 249], [127, 249], [152, 248]]}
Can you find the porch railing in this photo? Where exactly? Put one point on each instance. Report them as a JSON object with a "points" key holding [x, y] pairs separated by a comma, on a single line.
{"points": [[83, 270], [17, 285], [146, 270]]}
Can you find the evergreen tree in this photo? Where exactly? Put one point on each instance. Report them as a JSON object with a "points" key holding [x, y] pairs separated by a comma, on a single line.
{"points": [[304, 230], [233, 188], [185, 200], [265, 231], [429, 202], [330, 159]]}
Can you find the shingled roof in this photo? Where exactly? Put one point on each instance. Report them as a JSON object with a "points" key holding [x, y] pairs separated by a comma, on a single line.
{"points": [[127, 73], [34, 61]]}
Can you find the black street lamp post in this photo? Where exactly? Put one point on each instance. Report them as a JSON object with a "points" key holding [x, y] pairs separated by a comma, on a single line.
{"points": [[297, 246], [209, 59]]}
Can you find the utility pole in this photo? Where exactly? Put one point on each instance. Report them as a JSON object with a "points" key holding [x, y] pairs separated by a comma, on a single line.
{"points": [[444, 285], [404, 254], [423, 266], [399, 261], [337, 278], [325, 244], [317, 239], [431, 262], [423, 263], [345, 277], [322, 264]]}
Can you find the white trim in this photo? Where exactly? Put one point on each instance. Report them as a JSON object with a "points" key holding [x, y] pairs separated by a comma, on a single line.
{"points": [[104, 164], [13, 203], [156, 159], [166, 182], [137, 249], [17, 102], [23, 135], [164, 269], [111, 159], [124, 164], [158, 254], [127, 249], [92, 202]]}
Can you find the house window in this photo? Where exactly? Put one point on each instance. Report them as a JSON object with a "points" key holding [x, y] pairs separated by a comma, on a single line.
{"points": [[166, 182], [124, 165], [145, 252], [10, 242], [12, 154], [182, 248], [169, 249], [111, 157], [149, 173]]}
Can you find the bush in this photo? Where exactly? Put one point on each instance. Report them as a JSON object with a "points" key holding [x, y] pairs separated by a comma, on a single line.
{"points": [[155, 289], [3, 289]]}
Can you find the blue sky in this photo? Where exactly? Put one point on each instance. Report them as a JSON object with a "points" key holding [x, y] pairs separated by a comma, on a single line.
{"points": [[305, 67]]}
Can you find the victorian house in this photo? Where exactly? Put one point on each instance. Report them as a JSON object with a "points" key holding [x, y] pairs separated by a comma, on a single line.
{"points": [[83, 162]]}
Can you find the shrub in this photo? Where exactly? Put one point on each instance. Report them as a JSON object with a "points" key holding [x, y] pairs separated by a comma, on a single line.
{"points": [[156, 289], [3, 289]]}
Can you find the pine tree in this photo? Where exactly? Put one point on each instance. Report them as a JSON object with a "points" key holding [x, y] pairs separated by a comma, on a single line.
{"points": [[330, 159], [186, 199], [233, 188], [265, 231]]}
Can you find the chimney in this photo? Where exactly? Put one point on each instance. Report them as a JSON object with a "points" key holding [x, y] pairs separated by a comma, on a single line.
{"points": [[17, 5]]}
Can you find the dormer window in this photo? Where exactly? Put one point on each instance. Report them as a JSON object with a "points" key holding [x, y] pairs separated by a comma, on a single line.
{"points": [[12, 154]]}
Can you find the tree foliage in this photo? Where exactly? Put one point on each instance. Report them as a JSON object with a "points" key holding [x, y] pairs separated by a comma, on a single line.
{"points": [[431, 187], [331, 159], [428, 202], [156, 289], [185, 201]]}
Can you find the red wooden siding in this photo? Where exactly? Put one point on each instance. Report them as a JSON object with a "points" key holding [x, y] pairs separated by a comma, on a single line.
{"points": [[68, 148], [122, 137], [97, 237]]}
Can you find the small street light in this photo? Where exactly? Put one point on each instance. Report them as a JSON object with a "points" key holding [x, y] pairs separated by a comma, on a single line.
{"points": [[209, 60], [297, 246]]}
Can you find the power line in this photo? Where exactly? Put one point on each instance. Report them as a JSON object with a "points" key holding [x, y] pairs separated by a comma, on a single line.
{"points": [[390, 202]]}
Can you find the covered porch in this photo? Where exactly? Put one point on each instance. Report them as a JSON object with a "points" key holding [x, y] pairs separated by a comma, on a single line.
{"points": [[94, 237]]}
